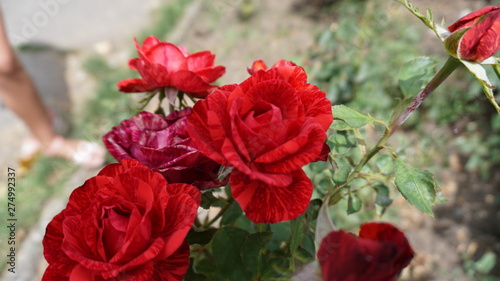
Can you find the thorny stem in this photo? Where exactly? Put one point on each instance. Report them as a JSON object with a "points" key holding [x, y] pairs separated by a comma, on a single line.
{"points": [[450, 65]]}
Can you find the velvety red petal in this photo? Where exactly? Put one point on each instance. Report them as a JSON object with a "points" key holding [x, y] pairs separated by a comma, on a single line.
{"points": [[174, 267], [316, 105], [344, 257], [210, 74], [180, 188], [283, 63], [206, 125], [256, 66], [189, 82], [389, 233], [148, 43], [168, 55], [134, 85], [57, 272], [180, 216], [253, 171], [200, 60], [471, 18], [263, 203], [300, 150], [482, 40]]}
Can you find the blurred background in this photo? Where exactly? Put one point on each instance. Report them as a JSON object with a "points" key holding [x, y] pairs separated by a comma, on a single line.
{"points": [[76, 51]]}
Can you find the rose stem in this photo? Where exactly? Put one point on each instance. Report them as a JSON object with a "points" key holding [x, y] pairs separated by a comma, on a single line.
{"points": [[450, 65]]}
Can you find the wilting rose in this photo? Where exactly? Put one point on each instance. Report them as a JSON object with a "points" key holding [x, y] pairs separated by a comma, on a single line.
{"points": [[164, 145], [267, 128], [126, 223], [379, 254], [163, 65], [261, 65], [476, 36]]}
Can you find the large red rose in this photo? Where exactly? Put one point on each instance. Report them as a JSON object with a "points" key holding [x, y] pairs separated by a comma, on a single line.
{"points": [[126, 223], [165, 65], [267, 128], [164, 145], [476, 36], [379, 254]]}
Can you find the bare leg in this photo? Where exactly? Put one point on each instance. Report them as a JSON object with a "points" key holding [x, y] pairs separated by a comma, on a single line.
{"points": [[19, 93]]}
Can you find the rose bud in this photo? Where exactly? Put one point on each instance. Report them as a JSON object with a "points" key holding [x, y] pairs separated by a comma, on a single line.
{"points": [[476, 36], [164, 145], [379, 254]]}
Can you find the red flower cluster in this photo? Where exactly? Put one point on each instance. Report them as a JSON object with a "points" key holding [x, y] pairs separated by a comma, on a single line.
{"points": [[164, 145], [379, 254], [162, 64], [267, 128], [127, 223], [476, 36]]}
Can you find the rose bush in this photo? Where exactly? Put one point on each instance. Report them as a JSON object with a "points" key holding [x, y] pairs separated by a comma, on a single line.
{"points": [[476, 36], [379, 254], [267, 128], [126, 223], [164, 145], [163, 65]]}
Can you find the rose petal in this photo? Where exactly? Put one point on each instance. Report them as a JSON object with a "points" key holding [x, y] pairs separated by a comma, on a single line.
{"points": [[263, 203], [174, 267]]}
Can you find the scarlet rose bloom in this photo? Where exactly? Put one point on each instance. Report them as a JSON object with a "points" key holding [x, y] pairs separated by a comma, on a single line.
{"points": [[476, 36], [165, 65], [164, 145], [126, 223], [267, 128], [379, 254]]}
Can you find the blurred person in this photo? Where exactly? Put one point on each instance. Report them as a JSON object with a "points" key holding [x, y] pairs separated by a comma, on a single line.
{"points": [[18, 93]]}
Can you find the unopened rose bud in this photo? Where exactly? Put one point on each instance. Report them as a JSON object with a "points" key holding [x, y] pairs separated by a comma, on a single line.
{"points": [[476, 36]]}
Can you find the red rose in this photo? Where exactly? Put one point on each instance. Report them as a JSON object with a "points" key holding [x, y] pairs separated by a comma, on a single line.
{"points": [[164, 145], [162, 64], [379, 254], [476, 36], [267, 128], [125, 223]]}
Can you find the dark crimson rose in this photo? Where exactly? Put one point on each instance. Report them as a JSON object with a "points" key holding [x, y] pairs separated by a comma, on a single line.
{"points": [[165, 65], [261, 65], [164, 145], [379, 254], [267, 128], [476, 36], [126, 223]]}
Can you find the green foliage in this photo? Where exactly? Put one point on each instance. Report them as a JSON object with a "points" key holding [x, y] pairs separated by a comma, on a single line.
{"points": [[414, 75], [417, 186]]}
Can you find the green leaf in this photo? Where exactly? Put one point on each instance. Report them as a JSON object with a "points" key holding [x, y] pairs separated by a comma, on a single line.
{"points": [[342, 171], [480, 74], [200, 237], [486, 263], [353, 204], [350, 116], [252, 252], [204, 266], [208, 199], [232, 214], [414, 75], [298, 227], [417, 186], [382, 199], [226, 244], [341, 142], [192, 275]]}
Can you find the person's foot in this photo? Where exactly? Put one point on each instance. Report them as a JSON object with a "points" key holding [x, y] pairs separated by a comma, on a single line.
{"points": [[80, 152]]}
